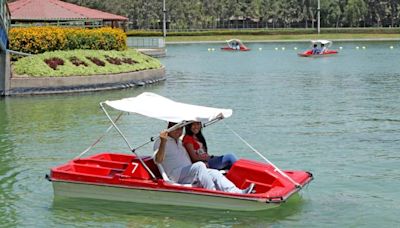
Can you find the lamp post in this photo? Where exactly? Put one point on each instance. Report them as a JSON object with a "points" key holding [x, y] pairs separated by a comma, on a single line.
{"points": [[164, 20], [318, 17]]}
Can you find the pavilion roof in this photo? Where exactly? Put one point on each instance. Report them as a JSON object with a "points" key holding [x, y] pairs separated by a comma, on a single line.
{"points": [[50, 10]]}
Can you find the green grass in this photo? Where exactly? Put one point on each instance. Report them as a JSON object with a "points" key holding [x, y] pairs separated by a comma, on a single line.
{"points": [[284, 37], [35, 66]]}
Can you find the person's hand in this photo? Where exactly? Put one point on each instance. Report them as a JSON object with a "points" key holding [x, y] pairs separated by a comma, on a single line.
{"points": [[204, 157], [164, 135]]}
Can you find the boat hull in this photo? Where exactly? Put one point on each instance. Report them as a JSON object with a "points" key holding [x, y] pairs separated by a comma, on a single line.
{"points": [[231, 49], [325, 54], [156, 197], [121, 177]]}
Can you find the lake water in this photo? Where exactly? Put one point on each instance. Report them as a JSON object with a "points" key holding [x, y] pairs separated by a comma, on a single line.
{"points": [[338, 117]]}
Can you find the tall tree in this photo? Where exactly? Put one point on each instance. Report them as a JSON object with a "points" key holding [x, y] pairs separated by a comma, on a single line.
{"points": [[355, 11]]}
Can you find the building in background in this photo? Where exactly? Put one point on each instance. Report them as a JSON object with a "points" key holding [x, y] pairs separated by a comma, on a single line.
{"points": [[59, 13]]}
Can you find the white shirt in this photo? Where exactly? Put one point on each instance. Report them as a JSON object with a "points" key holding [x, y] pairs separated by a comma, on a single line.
{"points": [[175, 158]]}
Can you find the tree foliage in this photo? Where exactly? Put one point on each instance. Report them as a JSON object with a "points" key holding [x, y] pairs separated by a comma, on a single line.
{"points": [[196, 14]]}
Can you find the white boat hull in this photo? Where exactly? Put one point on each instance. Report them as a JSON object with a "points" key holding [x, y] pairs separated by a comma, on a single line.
{"points": [[159, 197]]}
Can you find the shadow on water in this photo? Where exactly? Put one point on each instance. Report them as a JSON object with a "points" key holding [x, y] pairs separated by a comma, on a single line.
{"points": [[68, 211]]}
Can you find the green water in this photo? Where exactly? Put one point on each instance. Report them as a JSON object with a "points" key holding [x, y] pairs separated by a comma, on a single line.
{"points": [[338, 117]]}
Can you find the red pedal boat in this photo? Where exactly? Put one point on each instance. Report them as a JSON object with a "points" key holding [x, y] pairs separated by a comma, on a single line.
{"points": [[134, 178], [235, 45], [325, 52]]}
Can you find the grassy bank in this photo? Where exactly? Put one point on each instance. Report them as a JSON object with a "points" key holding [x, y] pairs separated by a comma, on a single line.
{"points": [[83, 62]]}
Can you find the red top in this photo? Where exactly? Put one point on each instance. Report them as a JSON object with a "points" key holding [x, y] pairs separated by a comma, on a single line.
{"points": [[187, 139], [199, 153]]}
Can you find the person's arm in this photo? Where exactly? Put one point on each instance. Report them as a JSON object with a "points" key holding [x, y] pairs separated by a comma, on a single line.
{"points": [[193, 154], [161, 149]]}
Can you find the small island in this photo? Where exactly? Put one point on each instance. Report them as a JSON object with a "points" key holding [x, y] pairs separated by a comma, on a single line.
{"points": [[68, 65]]}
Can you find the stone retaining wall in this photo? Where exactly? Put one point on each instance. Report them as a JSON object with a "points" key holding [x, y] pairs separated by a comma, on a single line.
{"points": [[20, 85], [153, 52]]}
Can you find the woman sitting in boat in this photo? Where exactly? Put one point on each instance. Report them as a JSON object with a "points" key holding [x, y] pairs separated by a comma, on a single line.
{"points": [[173, 157], [323, 49], [196, 146]]}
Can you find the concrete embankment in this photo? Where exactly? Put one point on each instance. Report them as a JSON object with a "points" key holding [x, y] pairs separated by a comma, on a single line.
{"points": [[24, 85]]}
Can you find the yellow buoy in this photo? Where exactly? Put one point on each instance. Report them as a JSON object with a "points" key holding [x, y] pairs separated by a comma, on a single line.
{"points": [[209, 49]]}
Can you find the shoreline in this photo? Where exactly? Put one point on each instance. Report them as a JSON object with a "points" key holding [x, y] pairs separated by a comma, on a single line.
{"points": [[20, 85], [284, 41]]}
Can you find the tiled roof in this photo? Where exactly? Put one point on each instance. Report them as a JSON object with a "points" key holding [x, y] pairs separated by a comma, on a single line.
{"points": [[56, 10]]}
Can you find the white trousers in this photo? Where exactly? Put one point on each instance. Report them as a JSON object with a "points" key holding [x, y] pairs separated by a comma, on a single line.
{"points": [[207, 178]]}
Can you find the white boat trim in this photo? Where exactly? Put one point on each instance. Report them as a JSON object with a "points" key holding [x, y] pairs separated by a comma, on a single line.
{"points": [[157, 197]]}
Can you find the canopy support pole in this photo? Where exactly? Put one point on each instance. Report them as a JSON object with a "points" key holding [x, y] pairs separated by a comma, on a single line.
{"points": [[254, 150], [213, 121], [99, 139], [126, 140]]}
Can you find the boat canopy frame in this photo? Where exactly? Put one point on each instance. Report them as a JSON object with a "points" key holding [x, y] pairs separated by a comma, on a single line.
{"points": [[230, 42], [192, 113], [181, 113]]}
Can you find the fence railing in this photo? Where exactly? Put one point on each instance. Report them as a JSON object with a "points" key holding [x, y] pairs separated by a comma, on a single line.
{"points": [[72, 23], [146, 42]]}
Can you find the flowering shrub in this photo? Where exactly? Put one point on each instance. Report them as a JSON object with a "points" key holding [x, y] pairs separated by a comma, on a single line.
{"points": [[41, 39]]}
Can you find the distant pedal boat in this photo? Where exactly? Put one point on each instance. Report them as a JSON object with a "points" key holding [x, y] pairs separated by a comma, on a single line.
{"points": [[328, 52], [235, 45]]}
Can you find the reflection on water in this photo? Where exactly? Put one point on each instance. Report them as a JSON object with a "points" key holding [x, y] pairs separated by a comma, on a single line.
{"points": [[8, 171], [109, 212]]}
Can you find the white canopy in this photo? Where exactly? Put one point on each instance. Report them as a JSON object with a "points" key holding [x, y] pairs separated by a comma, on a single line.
{"points": [[325, 42], [234, 40], [158, 107]]}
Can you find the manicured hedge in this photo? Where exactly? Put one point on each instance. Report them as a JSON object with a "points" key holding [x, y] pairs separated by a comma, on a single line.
{"points": [[84, 62], [36, 40]]}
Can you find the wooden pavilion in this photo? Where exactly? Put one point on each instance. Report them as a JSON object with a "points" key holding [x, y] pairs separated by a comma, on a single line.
{"points": [[56, 12]]}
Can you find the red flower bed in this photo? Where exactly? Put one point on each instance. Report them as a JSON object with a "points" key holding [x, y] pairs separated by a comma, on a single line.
{"points": [[115, 61], [118, 61], [77, 62], [96, 61], [54, 62], [129, 61]]}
